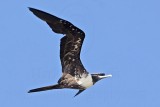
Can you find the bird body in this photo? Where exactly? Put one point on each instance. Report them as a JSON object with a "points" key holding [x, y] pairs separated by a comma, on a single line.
{"points": [[74, 75], [86, 81]]}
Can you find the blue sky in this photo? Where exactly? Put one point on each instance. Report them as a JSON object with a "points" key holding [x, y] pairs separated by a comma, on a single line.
{"points": [[122, 39]]}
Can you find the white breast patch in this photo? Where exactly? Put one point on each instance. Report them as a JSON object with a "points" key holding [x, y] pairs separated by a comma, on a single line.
{"points": [[85, 81]]}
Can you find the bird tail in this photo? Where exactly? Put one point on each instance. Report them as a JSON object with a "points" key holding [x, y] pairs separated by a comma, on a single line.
{"points": [[57, 86]]}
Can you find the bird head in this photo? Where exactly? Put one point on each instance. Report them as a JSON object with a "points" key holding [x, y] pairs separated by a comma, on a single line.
{"points": [[99, 76]]}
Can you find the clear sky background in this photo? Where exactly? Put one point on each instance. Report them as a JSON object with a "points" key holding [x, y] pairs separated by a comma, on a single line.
{"points": [[122, 39]]}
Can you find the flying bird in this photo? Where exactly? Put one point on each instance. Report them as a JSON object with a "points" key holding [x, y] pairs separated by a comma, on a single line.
{"points": [[74, 75]]}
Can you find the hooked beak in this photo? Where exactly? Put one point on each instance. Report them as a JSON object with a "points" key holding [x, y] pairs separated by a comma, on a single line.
{"points": [[105, 76]]}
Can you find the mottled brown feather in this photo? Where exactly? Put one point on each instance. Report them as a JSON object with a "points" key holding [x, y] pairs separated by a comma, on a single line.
{"points": [[71, 43]]}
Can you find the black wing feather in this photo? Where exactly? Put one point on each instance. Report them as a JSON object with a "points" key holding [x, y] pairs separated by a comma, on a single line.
{"points": [[71, 43], [78, 92]]}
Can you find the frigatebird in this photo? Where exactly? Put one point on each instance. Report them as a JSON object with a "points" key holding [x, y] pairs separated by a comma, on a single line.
{"points": [[74, 75]]}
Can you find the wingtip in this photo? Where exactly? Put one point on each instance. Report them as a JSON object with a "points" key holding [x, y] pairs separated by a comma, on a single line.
{"points": [[79, 92], [33, 90], [29, 91], [74, 96], [31, 9]]}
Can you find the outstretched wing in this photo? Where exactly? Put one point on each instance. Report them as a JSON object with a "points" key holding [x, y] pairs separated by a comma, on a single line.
{"points": [[71, 43]]}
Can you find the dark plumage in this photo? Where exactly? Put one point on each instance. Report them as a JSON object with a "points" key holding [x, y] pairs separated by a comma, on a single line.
{"points": [[74, 74]]}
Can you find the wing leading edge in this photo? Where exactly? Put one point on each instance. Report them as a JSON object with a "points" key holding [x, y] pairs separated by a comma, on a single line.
{"points": [[71, 43]]}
